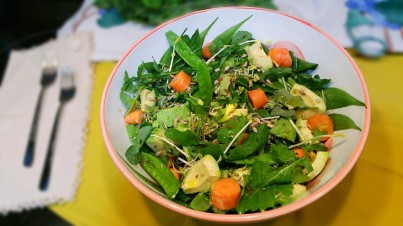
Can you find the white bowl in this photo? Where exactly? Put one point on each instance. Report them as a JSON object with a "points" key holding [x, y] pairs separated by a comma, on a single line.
{"points": [[334, 63]]}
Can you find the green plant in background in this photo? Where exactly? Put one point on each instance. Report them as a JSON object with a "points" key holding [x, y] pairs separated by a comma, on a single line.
{"points": [[154, 12]]}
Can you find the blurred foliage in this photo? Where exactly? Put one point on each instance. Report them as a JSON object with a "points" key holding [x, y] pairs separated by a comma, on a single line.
{"points": [[154, 12]]}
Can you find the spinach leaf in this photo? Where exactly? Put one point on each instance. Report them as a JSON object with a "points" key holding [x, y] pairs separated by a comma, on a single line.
{"points": [[137, 136], [264, 157], [284, 129], [231, 128], [342, 122], [299, 65], [338, 98], [196, 44], [215, 150], [285, 98], [257, 199], [261, 199], [241, 36], [278, 111], [312, 83], [275, 73], [225, 37], [185, 138], [281, 153], [254, 142], [203, 34]]}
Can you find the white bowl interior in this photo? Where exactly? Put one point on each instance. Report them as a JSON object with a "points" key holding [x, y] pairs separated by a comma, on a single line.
{"points": [[265, 25]]}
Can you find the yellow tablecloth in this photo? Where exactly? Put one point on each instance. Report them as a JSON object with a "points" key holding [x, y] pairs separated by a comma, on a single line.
{"points": [[372, 193]]}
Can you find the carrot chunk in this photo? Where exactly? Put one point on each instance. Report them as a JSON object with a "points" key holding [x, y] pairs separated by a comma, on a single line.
{"points": [[225, 193], [281, 56], [322, 122], [258, 98], [299, 152], [134, 117], [206, 53], [180, 82]]}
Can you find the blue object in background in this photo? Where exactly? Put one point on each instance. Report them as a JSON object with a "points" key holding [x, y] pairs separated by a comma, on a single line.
{"points": [[366, 20], [109, 18]]}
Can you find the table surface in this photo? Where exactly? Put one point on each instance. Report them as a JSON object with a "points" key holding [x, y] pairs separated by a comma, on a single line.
{"points": [[371, 194]]}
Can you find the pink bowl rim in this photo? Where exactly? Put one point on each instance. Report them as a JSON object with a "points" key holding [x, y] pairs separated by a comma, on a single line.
{"points": [[241, 218]]}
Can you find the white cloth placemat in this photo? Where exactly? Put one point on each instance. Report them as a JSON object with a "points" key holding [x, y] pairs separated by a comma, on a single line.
{"points": [[18, 94], [109, 43]]}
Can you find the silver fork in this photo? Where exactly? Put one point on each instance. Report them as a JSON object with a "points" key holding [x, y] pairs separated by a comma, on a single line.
{"points": [[67, 92], [49, 72]]}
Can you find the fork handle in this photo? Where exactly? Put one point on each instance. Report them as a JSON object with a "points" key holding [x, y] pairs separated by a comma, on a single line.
{"points": [[30, 151], [45, 176]]}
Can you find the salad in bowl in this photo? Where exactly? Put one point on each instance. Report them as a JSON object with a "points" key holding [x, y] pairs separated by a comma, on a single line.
{"points": [[232, 122]]}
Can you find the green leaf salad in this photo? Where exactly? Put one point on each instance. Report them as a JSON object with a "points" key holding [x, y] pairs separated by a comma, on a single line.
{"points": [[239, 113]]}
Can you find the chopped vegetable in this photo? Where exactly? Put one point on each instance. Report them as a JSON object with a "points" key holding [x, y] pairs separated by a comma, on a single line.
{"points": [[258, 98], [321, 122], [299, 152], [206, 53], [225, 193], [281, 56], [134, 117], [180, 82]]}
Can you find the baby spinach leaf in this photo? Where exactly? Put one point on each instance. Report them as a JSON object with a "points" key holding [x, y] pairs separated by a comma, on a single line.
{"points": [[215, 150], [279, 111], [281, 153], [264, 157], [241, 36], [231, 128], [342, 122], [196, 44], [254, 142], [225, 37], [132, 154], [299, 65], [261, 199], [312, 82], [257, 199], [204, 33], [137, 136], [284, 129], [285, 98], [338, 98], [185, 138], [275, 73]]}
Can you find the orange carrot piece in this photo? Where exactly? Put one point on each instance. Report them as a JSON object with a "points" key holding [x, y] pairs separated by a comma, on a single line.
{"points": [[281, 56], [180, 82], [206, 53], [258, 98], [134, 117], [225, 193], [322, 122], [175, 173], [299, 152]]}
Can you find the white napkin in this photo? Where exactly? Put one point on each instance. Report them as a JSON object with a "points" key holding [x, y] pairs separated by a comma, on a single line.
{"points": [[109, 43], [18, 95]]}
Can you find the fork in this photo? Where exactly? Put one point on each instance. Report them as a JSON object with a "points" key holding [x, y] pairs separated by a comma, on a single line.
{"points": [[67, 92], [49, 72]]}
